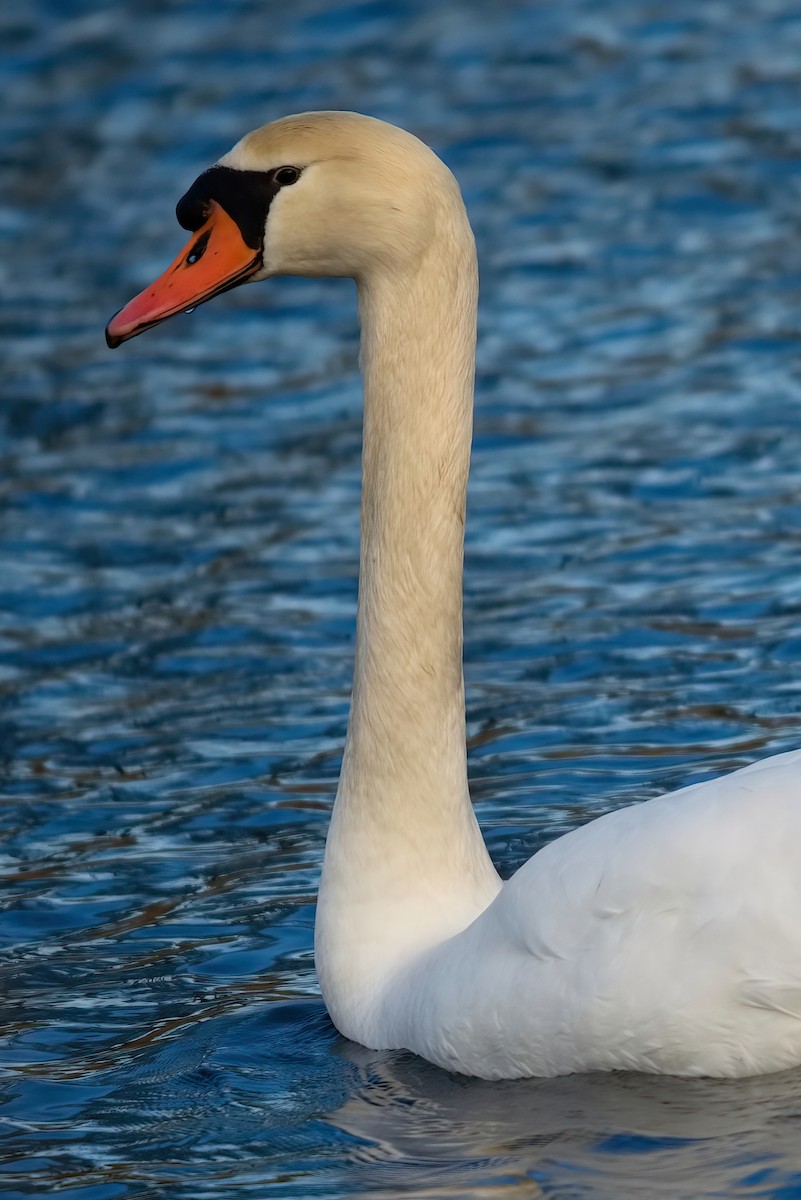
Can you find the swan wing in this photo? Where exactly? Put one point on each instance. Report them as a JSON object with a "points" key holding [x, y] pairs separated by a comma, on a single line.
{"points": [[662, 937]]}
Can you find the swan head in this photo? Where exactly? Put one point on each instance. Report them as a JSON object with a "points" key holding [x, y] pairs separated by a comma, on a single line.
{"points": [[327, 193]]}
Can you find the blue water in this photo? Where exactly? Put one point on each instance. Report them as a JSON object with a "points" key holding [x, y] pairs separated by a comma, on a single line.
{"points": [[178, 538]]}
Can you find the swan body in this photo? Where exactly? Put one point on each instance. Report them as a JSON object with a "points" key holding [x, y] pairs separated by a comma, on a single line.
{"points": [[664, 937]]}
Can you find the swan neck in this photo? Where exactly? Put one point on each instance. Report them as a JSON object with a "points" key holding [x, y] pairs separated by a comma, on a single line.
{"points": [[418, 349], [405, 864]]}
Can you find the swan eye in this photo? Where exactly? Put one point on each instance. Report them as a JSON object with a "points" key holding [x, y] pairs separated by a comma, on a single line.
{"points": [[286, 175]]}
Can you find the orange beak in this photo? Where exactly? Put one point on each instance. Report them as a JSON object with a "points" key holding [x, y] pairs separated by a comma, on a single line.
{"points": [[215, 259]]}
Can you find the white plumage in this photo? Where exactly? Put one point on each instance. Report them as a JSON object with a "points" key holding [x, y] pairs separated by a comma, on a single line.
{"points": [[665, 937]]}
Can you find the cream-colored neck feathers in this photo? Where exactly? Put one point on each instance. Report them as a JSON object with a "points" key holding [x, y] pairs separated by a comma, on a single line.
{"points": [[405, 863]]}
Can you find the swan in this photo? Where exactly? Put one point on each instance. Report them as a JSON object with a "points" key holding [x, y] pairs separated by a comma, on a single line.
{"points": [[663, 937]]}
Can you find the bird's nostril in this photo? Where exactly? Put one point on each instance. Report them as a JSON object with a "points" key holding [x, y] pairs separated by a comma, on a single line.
{"points": [[197, 251]]}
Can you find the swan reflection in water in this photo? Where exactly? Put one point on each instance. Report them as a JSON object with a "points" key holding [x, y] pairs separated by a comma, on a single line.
{"points": [[603, 1134]]}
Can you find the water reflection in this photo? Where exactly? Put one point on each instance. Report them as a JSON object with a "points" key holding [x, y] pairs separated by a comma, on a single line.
{"points": [[598, 1135]]}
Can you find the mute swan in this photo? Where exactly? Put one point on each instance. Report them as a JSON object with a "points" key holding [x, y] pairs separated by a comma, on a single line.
{"points": [[665, 937]]}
